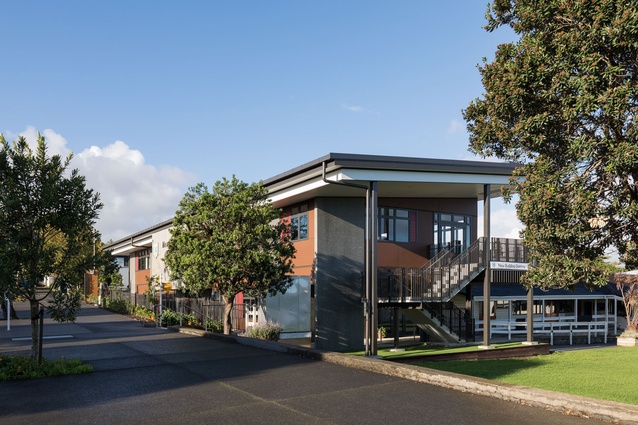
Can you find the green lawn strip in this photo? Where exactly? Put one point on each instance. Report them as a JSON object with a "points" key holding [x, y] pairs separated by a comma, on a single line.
{"points": [[602, 373], [22, 367], [420, 350]]}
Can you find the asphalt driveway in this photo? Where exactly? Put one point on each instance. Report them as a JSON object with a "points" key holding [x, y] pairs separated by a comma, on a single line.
{"points": [[149, 375]]}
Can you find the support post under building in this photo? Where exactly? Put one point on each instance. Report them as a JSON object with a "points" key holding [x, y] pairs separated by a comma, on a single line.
{"points": [[372, 234], [487, 311]]}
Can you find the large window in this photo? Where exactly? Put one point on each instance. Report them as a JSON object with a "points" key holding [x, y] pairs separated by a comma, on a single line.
{"points": [[452, 230], [122, 261], [397, 225], [297, 220], [144, 260]]}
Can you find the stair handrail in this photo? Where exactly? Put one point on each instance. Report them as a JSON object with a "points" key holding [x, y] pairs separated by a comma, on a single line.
{"points": [[444, 251], [462, 263], [453, 311]]}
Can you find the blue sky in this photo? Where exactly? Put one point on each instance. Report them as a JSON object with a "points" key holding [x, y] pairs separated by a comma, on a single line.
{"points": [[154, 96]]}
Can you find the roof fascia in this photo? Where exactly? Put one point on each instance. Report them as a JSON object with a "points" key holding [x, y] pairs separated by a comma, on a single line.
{"points": [[138, 238]]}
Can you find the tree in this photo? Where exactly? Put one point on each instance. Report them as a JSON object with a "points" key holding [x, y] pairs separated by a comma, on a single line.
{"points": [[627, 284], [230, 240], [46, 230], [108, 272], [562, 102]]}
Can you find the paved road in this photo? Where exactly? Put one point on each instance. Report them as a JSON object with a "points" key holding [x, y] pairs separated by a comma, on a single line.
{"points": [[148, 375]]}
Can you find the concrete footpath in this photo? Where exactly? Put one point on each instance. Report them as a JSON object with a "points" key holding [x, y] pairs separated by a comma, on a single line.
{"points": [[586, 407]]}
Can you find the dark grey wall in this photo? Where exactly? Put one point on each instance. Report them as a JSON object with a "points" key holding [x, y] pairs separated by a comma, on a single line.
{"points": [[340, 254]]}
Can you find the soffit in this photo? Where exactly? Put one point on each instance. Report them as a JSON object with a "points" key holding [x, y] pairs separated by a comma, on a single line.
{"points": [[391, 184]]}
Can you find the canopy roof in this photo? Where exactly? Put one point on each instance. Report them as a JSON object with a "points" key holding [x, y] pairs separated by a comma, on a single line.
{"points": [[398, 177]]}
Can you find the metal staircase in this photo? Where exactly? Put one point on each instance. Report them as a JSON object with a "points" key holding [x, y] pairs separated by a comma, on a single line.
{"points": [[433, 286], [450, 273]]}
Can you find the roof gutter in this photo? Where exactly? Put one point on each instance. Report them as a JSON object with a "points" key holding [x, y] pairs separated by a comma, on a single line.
{"points": [[325, 180]]}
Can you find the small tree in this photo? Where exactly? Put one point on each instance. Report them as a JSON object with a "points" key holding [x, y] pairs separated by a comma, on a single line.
{"points": [[627, 284], [230, 240], [46, 229], [153, 289]]}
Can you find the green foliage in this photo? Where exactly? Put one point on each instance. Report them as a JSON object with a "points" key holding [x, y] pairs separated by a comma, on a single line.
{"points": [[561, 101], [65, 305], [152, 293], [269, 330], [119, 306], [46, 225], [142, 313], [214, 325], [23, 367], [189, 320], [170, 318], [230, 240], [92, 299], [115, 280]]}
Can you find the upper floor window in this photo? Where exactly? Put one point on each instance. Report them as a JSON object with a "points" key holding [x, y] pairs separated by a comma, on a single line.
{"points": [[297, 219], [144, 260], [452, 230], [396, 224]]}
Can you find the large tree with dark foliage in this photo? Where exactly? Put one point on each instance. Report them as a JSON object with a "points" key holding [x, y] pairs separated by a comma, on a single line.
{"points": [[562, 101]]}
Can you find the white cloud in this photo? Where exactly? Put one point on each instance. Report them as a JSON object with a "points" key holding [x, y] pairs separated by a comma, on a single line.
{"points": [[503, 220], [56, 144], [358, 109], [136, 195], [455, 126], [505, 224], [353, 108]]}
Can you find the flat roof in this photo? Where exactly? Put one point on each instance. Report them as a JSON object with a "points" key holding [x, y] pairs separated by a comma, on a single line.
{"points": [[398, 177], [398, 163]]}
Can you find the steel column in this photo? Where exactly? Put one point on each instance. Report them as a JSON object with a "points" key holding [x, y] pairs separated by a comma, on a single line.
{"points": [[486, 251]]}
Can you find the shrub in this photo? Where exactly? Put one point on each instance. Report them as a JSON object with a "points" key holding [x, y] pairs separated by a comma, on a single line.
{"points": [[190, 320], [214, 325], [143, 313], [118, 306], [92, 299], [170, 318], [269, 330], [22, 367]]}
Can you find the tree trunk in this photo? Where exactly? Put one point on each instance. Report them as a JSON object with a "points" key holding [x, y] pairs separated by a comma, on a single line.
{"points": [[12, 313], [228, 310], [36, 354]]}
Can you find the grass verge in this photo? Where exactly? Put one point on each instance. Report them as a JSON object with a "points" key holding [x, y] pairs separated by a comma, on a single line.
{"points": [[22, 367], [602, 373]]}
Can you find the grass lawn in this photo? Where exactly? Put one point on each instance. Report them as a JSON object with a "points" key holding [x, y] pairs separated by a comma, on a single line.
{"points": [[604, 373]]}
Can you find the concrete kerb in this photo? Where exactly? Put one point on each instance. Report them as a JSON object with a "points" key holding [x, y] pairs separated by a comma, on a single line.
{"points": [[608, 411]]}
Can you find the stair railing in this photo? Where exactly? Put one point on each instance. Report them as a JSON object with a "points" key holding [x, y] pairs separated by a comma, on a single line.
{"points": [[446, 273], [452, 317], [444, 278]]}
